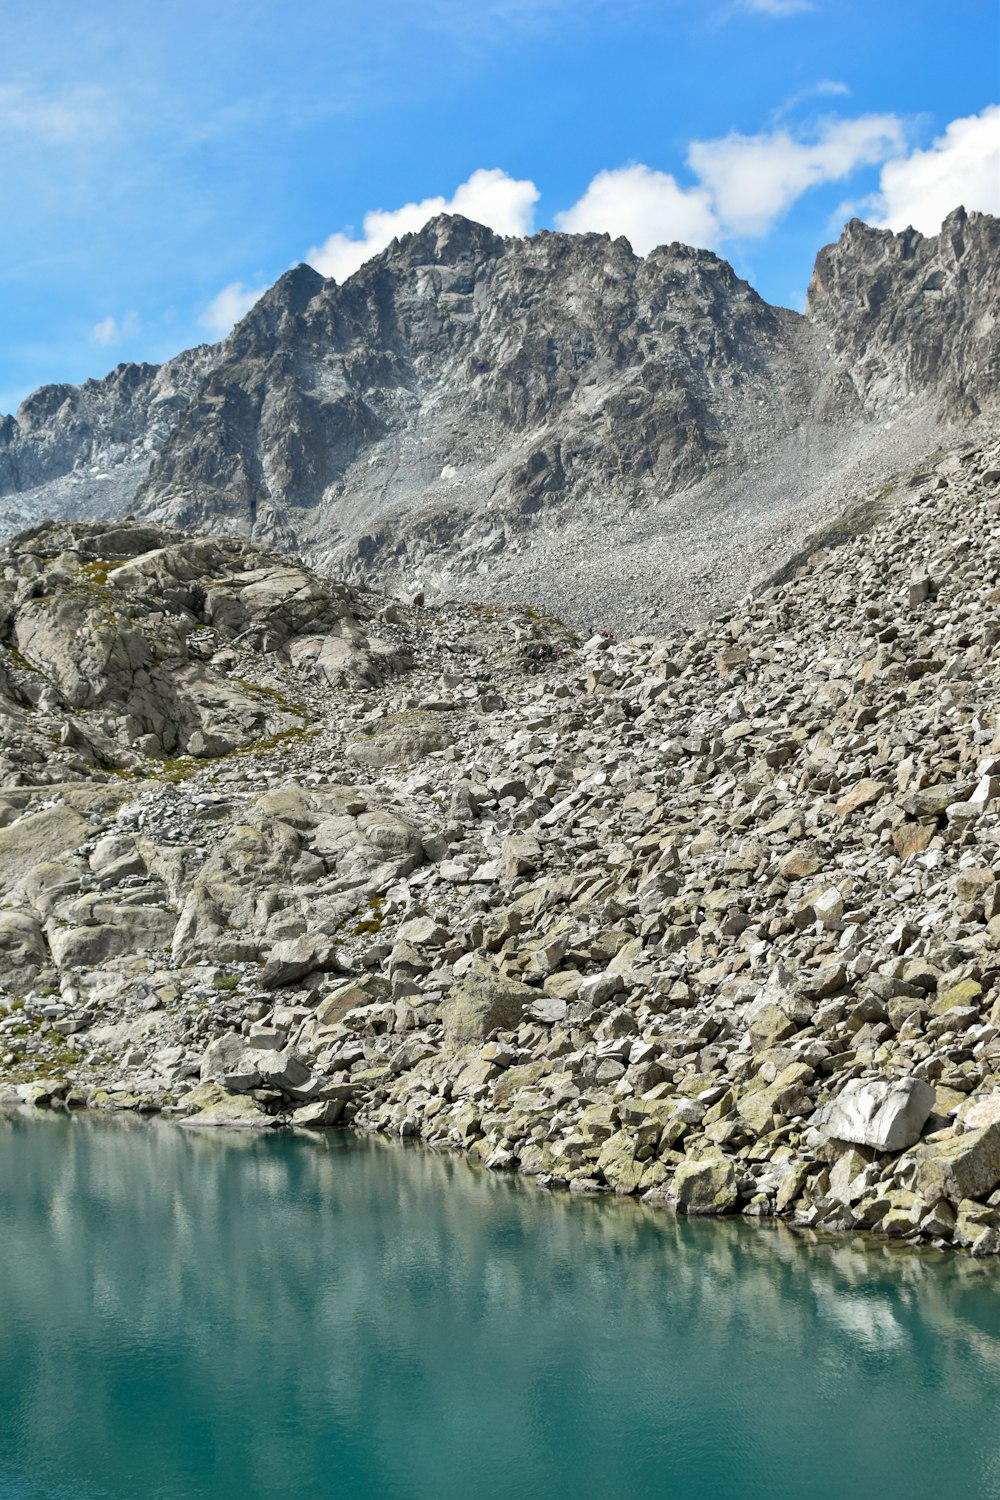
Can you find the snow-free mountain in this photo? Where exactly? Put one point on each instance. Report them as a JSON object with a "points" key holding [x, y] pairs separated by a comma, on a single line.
{"points": [[624, 439]]}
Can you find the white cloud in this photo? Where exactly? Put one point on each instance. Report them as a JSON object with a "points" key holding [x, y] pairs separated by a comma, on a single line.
{"points": [[823, 87], [753, 179], [489, 197], [745, 183], [648, 207], [776, 7], [960, 167], [55, 119], [111, 330], [228, 307]]}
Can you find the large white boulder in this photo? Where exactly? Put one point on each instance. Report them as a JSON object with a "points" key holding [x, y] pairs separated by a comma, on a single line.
{"points": [[887, 1115]]}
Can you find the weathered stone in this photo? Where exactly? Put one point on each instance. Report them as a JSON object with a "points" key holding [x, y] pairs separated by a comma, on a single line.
{"points": [[770, 1025], [213, 1108], [599, 989], [229, 1061], [286, 1072], [293, 959], [800, 864], [912, 838], [36, 838], [886, 1115], [402, 739], [618, 1165], [705, 1186], [521, 855], [482, 1002], [966, 1166], [973, 1114], [957, 997], [422, 932], [864, 794]]}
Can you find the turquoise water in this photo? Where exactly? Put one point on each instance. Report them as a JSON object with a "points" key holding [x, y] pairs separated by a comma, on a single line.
{"points": [[183, 1317]]}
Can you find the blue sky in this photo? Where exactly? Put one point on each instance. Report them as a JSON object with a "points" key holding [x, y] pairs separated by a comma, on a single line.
{"points": [[163, 162]]}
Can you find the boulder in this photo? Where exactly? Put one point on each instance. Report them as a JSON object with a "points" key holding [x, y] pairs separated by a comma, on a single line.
{"points": [[401, 739], [548, 1009], [769, 1025], [36, 838], [214, 1108], [863, 794], [292, 959], [483, 1002], [286, 1072], [599, 989], [966, 1166], [617, 1163], [22, 948], [319, 1115], [886, 1115], [705, 1186], [521, 855], [973, 1114], [230, 1062], [423, 932]]}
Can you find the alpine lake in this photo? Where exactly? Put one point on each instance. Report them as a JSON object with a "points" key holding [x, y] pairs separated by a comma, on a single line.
{"points": [[187, 1315]]}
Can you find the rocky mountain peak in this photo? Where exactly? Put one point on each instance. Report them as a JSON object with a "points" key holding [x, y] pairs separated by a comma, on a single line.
{"points": [[912, 315], [447, 240], [469, 408], [271, 320]]}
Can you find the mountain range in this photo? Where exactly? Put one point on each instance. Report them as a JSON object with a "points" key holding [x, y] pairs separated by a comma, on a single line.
{"points": [[625, 440]]}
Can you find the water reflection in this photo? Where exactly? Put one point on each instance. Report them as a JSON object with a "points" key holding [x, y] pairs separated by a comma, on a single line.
{"points": [[186, 1316]]}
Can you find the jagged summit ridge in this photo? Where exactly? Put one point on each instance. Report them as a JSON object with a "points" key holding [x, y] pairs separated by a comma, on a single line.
{"points": [[472, 412], [909, 313]]}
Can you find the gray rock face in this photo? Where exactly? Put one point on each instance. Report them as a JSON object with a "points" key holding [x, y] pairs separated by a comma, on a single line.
{"points": [[886, 1116], [84, 450], [705, 1187], [467, 411], [906, 314], [129, 636], [229, 1061], [967, 1166]]}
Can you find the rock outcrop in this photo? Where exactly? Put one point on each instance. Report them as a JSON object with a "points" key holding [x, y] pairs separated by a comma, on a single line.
{"points": [[635, 440], [126, 638], [909, 315], [83, 451], [712, 918]]}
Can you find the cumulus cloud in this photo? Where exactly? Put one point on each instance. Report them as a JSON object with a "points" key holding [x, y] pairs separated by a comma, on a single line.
{"points": [[648, 207], [745, 183], [490, 197], [961, 167], [111, 330], [754, 179], [229, 306]]}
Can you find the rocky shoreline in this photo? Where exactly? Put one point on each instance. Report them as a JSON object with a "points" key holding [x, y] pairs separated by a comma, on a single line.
{"points": [[713, 919]]}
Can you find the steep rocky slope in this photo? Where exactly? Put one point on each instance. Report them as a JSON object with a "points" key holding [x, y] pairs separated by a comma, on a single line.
{"points": [[713, 918], [636, 440]]}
